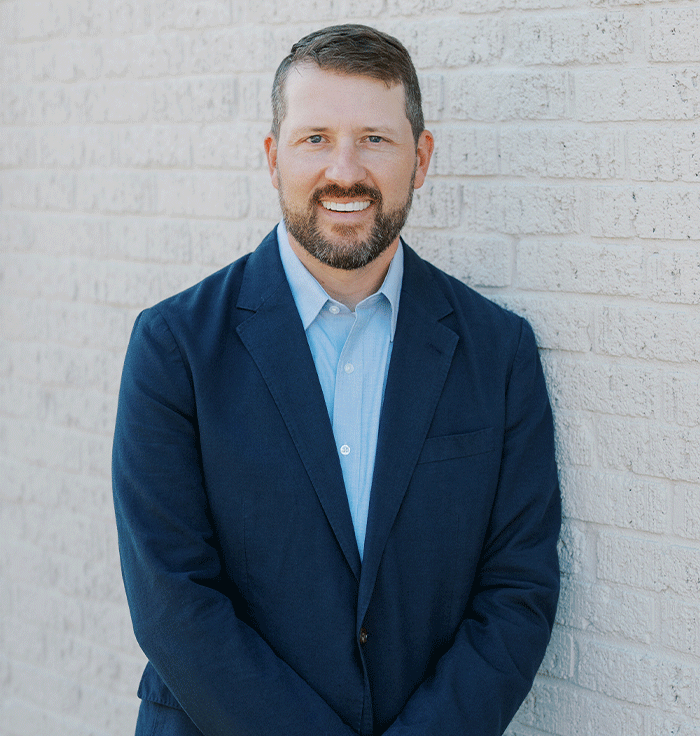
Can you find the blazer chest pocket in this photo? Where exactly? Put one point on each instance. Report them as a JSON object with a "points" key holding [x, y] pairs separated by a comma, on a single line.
{"points": [[453, 446]]}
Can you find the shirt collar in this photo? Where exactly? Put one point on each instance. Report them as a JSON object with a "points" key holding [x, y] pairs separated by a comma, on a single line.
{"points": [[310, 297]]}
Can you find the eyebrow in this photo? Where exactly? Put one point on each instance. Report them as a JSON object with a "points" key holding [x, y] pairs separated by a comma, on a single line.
{"points": [[367, 129]]}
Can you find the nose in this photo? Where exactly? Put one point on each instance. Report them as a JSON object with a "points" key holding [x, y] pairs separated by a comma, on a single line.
{"points": [[345, 167]]}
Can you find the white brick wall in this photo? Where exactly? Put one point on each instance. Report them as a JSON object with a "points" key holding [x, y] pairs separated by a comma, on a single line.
{"points": [[566, 185]]}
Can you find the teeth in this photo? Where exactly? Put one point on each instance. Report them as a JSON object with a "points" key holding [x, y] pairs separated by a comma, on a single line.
{"points": [[345, 206]]}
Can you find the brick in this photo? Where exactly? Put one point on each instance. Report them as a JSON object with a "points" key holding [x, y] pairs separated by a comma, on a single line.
{"points": [[64, 234], [217, 243], [686, 521], [645, 212], [210, 194], [522, 209], [641, 332], [443, 43], [432, 87], [68, 60], [55, 190], [415, 7], [67, 323], [553, 709], [558, 661], [194, 14], [264, 201], [58, 489], [558, 324], [24, 104], [147, 56], [573, 438], [159, 146], [363, 9], [117, 192], [674, 276], [603, 388], [115, 101], [580, 267], [436, 205], [39, 276], [153, 239], [663, 724], [646, 680], [17, 148], [9, 21], [465, 152], [615, 499], [41, 19], [77, 146], [593, 37], [195, 100], [562, 152], [16, 62], [667, 567], [477, 261], [501, 96], [608, 610], [648, 448], [251, 48], [17, 230], [573, 549], [254, 94], [680, 625], [44, 445], [664, 154], [672, 34], [681, 395], [627, 95], [227, 146]]}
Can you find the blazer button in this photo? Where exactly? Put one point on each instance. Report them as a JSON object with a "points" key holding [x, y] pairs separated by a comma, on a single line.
{"points": [[363, 635]]}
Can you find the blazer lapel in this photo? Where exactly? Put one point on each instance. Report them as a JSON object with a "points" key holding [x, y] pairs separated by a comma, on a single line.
{"points": [[420, 359], [274, 337]]}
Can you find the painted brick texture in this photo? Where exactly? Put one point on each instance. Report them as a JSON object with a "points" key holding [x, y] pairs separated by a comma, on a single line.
{"points": [[565, 185]]}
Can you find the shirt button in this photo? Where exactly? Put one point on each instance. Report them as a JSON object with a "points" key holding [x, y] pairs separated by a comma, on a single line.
{"points": [[345, 450], [349, 367], [363, 635], [334, 309]]}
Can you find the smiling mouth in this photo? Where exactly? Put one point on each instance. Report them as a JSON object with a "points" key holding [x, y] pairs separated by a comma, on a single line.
{"points": [[346, 206]]}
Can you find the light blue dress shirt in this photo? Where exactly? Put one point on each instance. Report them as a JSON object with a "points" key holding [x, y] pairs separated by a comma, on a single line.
{"points": [[351, 351]]}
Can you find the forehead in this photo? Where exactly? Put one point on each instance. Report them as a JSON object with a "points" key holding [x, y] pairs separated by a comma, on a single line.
{"points": [[320, 96]]}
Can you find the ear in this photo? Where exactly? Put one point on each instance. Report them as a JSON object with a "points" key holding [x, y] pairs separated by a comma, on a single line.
{"points": [[424, 152], [271, 153]]}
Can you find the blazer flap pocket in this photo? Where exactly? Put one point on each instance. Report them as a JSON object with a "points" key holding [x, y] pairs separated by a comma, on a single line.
{"points": [[457, 445]]}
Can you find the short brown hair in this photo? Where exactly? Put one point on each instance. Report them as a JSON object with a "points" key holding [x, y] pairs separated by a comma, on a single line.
{"points": [[358, 50]]}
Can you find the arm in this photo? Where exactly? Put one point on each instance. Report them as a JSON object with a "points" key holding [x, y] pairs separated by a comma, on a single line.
{"points": [[480, 682], [221, 671]]}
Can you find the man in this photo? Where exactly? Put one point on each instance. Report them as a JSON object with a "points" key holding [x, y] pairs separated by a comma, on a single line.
{"points": [[333, 464]]}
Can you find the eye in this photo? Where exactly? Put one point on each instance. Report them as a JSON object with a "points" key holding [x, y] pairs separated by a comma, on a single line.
{"points": [[314, 139], [374, 138]]}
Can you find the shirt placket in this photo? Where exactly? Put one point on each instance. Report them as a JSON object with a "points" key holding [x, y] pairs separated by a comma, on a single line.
{"points": [[347, 417]]}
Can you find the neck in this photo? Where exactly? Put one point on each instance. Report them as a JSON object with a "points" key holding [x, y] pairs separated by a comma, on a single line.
{"points": [[349, 287]]}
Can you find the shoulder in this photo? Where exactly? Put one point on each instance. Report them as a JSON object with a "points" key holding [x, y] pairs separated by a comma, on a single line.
{"points": [[469, 313], [211, 304]]}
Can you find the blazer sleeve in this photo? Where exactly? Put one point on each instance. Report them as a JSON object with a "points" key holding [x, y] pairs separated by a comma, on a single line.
{"points": [[484, 676], [223, 674]]}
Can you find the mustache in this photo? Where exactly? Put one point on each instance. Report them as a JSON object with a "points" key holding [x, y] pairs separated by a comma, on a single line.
{"points": [[354, 192]]}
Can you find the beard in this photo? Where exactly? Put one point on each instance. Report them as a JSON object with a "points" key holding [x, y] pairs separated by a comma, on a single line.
{"points": [[348, 251]]}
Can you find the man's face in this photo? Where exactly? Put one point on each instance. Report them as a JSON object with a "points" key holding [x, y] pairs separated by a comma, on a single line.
{"points": [[345, 164]]}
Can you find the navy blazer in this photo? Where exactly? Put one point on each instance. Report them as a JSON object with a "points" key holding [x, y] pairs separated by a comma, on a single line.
{"points": [[238, 553]]}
